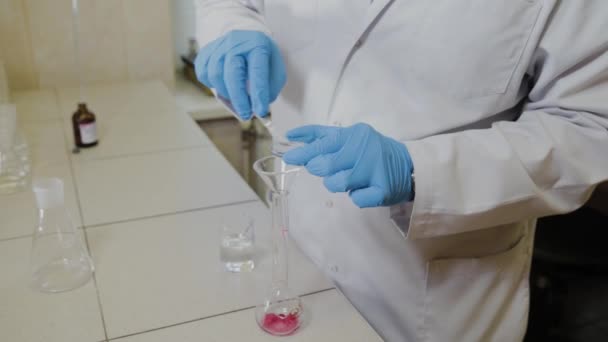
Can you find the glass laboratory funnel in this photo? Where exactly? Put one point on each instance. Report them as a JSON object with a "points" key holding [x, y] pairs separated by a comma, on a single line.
{"points": [[281, 312], [59, 258]]}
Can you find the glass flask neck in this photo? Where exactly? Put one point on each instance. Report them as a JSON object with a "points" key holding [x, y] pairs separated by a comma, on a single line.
{"points": [[280, 228], [54, 220], [52, 211]]}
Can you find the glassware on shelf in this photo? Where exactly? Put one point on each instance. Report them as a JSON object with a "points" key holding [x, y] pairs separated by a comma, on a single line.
{"points": [[14, 155], [22, 150], [59, 257], [281, 312]]}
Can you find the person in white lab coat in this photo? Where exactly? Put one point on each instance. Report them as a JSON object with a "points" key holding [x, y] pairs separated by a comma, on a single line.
{"points": [[471, 119]]}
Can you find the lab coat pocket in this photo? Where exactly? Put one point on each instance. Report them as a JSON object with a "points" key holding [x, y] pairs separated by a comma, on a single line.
{"points": [[292, 23], [477, 299], [471, 48]]}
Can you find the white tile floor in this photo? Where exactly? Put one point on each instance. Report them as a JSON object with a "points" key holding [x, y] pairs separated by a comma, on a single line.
{"points": [[132, 120], [46, 142], [40, 124], [165, 270], [152, 220], [18, 212], [136, 134], [117, 101], [155, 184], [36, 105], [333, 318], [29, 316]]}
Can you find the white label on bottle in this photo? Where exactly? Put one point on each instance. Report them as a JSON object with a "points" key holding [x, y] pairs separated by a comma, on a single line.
{"points": [[88, 133]]}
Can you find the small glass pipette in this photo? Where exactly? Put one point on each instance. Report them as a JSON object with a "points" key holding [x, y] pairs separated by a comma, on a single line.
{"points": [[280, 144]]}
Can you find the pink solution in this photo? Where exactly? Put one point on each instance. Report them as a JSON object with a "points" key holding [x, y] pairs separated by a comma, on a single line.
{"points": [[281, 324]]}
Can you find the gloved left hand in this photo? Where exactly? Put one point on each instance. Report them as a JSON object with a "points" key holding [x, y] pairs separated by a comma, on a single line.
{"points": [[374, 169], [244, 67]]}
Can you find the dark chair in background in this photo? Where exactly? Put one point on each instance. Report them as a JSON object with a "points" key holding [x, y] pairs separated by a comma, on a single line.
{"points": [[569, 277]]}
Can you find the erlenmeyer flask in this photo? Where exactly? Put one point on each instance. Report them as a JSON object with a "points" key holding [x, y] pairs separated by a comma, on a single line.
{"points": [[59, 259], [281, 312]]}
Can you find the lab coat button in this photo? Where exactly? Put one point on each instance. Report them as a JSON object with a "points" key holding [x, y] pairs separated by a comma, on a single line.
{"points": [[337, 123], [334, 268], [329, 203]]}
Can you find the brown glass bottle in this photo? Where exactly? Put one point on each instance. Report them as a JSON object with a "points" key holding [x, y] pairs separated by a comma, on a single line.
{"points": [[85, 127]]}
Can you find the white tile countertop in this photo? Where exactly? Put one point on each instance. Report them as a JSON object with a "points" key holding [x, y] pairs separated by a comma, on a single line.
{"points": [[150, 199]]}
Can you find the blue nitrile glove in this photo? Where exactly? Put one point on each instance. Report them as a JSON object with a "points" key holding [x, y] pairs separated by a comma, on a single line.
{"points": [[374, 169], [244, 67]]}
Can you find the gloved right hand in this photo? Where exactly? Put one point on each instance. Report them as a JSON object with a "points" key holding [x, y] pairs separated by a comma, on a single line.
{"points": [[244, 67], [374, 169]]}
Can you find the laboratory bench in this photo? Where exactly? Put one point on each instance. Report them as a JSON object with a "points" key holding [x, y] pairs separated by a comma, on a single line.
{"points": [[150, 200]]}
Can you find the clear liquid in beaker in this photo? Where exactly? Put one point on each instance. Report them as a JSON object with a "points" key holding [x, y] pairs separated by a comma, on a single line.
{"points": [[236, 252]]}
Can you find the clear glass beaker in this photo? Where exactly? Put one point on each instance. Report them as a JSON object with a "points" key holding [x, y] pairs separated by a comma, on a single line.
{"points": [[281, 312], [14, 160], [59, 257], [237, 244]]}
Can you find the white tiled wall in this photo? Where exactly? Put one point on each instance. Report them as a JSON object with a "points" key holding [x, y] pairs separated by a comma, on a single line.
{"points": [[15, 45], [184, 28], [148, 24], [120, 40]]}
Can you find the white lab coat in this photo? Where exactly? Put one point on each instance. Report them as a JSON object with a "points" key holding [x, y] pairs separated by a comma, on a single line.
{"points": [[503, 105]]}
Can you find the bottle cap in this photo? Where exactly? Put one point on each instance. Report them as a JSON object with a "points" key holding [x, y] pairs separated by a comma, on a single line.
{"points": [[8, 125], [48, 192]]}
